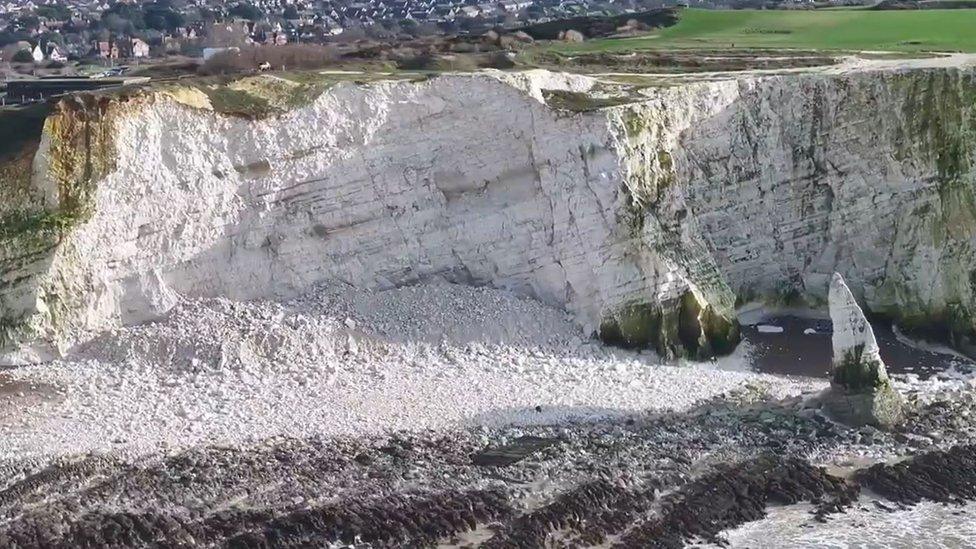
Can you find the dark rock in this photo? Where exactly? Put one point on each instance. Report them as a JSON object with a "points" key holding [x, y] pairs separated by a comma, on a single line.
{"points": [[940, 476], [735, 495], [513, 453]]}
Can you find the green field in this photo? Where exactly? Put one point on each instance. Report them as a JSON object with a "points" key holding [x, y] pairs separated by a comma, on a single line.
{"points": [[912, 30]]}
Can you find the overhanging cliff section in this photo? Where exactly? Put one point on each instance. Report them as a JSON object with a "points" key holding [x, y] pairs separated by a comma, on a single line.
{"points": [[647, 213]]}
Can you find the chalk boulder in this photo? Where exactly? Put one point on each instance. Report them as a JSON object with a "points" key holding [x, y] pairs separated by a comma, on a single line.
{"points": [[860, 391]]}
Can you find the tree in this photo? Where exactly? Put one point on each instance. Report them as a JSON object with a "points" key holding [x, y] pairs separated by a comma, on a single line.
{"points": [[23, 56], [151, 36], [409, 26], [161, 17], [207, 14], [354, 32], [118, 24], [468, 24], [27, 22], [128, 12], [52, 38], [56, 12], [247, 11], [448, 27], [12, 37], [291, 12]]}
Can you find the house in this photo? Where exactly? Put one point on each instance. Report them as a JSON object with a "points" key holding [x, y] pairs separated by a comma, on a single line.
{"points": [[37, 53], [55, 53], [138, 48], [276, 38], [514, 6], [172, 44], [107, 49]]}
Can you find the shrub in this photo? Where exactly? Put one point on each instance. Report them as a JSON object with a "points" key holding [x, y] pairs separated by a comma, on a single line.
{"points": [[23, 56], [291, 56], [497, 60], [428, 62]]}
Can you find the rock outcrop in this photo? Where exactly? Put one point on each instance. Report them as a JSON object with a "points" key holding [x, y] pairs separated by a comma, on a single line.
{"points": [[860, 390], [645, 211]]}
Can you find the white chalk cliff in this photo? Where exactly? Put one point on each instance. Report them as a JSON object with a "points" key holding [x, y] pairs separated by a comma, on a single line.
{"points": [[647, 218]]}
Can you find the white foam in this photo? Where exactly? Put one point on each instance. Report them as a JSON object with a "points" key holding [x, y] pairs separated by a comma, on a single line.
{"points": [[864, 526]]}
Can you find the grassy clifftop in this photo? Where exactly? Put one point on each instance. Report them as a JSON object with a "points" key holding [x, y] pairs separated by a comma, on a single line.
{"points": [[904, 31], [265, 95]]}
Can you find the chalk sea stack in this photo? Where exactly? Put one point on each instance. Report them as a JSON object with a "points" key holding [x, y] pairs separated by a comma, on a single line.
{"points": [[860, 391]]}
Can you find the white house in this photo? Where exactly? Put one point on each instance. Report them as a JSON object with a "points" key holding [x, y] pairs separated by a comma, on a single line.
{"points": [[55, 53], [139, 48]]}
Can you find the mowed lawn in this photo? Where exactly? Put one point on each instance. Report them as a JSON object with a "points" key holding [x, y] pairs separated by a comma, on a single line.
{"points": [[910, 30]]}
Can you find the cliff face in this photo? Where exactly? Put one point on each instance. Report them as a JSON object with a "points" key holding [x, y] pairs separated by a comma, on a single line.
{"points": [[867, 174], [648, 219]]}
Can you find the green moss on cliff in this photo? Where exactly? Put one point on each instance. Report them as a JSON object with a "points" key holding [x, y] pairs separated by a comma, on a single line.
{"points": [[939, 120], [701, 322], [637, 325], [938, 127], [80, 151], [702, 331], [226, 100], [645, 326], [20, 225], [650, 165], [685, 327], [858, 374], [20, 136], [634, 122]]}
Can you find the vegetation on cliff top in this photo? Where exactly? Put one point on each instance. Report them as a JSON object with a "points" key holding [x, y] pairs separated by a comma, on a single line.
{"points": [[909, 31], [270, 94]]}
